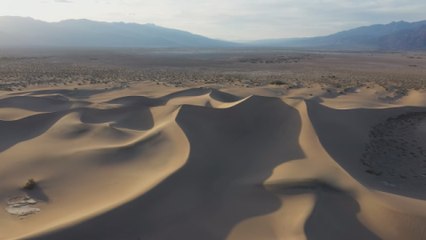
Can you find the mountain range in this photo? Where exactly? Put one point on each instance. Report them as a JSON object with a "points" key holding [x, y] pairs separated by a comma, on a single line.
{"points": [[394, 36], [28, 32]]}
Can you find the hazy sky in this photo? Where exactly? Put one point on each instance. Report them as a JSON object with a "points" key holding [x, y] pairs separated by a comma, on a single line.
{"points": [[228, 19]]}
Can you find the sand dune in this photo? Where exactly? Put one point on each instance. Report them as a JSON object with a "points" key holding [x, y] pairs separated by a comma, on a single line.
{"points": [[155, 162]]}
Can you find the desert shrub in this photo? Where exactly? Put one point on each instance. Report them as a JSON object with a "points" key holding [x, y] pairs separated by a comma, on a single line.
{"points": [[30, 184], [278, 82]]}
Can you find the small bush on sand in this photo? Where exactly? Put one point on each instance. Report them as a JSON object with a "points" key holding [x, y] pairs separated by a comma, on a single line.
{"points": [[30, 184], [278, 83]]}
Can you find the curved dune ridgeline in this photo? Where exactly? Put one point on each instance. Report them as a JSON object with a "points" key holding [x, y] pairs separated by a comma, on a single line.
{"points": [[155, 162]]}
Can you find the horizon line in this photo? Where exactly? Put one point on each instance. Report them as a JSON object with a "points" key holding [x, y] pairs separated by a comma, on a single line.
{"points": [[228, 40]]}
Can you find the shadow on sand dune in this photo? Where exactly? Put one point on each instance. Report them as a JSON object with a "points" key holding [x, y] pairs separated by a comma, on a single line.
{"points": [[37, 104], [232, 152], [192, 92], [334, 213], [344, 135], [132, 116], [38, 194], [129, 117], [70, 93], [14, 132]]}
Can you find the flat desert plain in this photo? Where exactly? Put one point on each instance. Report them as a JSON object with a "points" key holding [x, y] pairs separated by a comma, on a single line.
{"points": [[248, 144]]}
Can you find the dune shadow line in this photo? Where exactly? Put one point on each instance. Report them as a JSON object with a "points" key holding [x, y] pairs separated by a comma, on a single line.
{"points": [[233, 151], [334, 215]]}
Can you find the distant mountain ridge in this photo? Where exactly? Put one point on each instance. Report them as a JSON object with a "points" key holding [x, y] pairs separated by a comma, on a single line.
{"points": [[393, 36], [28, 32]]}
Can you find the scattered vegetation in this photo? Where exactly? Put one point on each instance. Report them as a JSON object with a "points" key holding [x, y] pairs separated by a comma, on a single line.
{"points": [[278, 83], [30, 184], [227, 69], [396, 150]]}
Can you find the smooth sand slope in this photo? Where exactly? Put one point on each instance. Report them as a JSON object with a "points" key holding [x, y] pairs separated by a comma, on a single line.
{"points": [[155, 162]]}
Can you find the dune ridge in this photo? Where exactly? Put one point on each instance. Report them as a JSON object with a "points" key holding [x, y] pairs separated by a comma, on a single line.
{"points": [[203, 163]]}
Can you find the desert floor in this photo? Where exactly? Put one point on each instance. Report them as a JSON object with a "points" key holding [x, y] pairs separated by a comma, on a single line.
{"points": [[307, 146]]}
